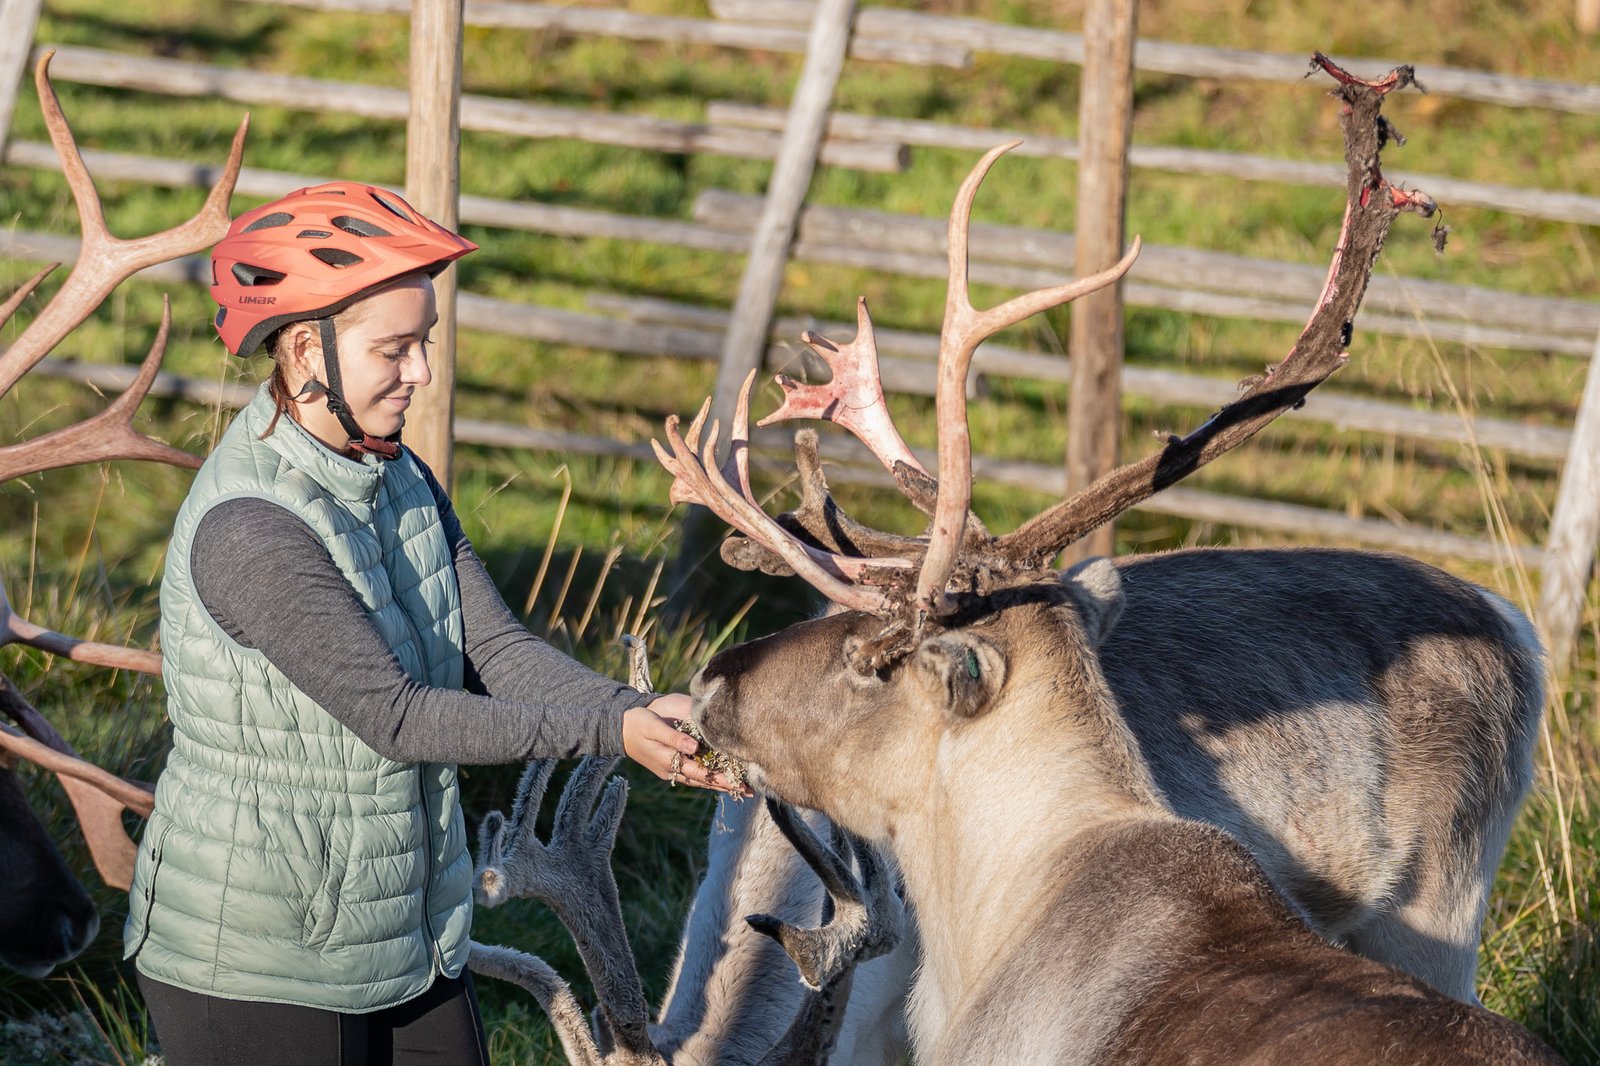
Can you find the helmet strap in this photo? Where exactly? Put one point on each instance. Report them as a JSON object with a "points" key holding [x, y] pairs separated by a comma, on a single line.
{"points": [[360, 441]]}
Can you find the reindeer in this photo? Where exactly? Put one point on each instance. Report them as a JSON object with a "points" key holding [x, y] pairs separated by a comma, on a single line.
{"points": [[1122, 798], [47, 916]]}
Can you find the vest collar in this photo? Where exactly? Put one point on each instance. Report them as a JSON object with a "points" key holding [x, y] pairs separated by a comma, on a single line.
{"points": [[352, 480]]}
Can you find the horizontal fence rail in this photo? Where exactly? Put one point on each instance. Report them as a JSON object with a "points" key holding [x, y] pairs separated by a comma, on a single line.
{"points": [[852, 464], [1165, 57]]}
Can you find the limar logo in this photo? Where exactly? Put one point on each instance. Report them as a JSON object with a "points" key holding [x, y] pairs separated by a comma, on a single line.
{"points": [[258, 299]]}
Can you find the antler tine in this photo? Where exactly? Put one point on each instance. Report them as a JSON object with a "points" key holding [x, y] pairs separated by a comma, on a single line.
{"points": [[15, 629], [964, 329], [98, 796], [852, 398], [14, 301], [107, 435], [703, 482], [1317, 353], [866, 915], [105, 261]]}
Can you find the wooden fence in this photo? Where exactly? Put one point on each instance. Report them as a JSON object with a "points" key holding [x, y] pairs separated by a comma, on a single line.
{"points": [[1176, 278]]}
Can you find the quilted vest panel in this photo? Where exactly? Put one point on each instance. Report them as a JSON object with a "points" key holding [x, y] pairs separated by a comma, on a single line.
{"points": [[286, 861]]}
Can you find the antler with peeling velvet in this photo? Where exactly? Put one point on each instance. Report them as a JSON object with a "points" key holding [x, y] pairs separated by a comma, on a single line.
{"points": [[698, 479], [1319, 351], [958, 553]]}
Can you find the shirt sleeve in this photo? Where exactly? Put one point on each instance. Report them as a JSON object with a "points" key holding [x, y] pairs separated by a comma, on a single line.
{"points": [[268, 581]]}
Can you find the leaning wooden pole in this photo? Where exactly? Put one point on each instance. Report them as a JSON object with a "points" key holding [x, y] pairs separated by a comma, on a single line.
{"points": [[746, 340], [1574, 527], [19, 21], [1105, 119], [433, 185], [745, 343]]}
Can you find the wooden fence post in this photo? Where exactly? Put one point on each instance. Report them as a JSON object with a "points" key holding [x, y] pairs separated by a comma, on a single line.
{"points": [[746, 340], [1105, 118], [19, 20], [433, 185], [1574, 527]]}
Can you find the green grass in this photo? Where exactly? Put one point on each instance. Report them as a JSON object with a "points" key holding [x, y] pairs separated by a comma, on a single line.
{"points": [[81, 549]]}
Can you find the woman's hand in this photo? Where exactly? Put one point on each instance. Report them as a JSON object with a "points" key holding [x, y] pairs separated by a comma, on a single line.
{"points": [[650, 739]]}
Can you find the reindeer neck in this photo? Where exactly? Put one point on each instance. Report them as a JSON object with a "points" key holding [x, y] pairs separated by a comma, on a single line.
{"points": [[1015, 793]]}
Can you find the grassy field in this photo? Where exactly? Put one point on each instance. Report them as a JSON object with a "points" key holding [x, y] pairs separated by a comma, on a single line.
{"points": [[80, 550]]}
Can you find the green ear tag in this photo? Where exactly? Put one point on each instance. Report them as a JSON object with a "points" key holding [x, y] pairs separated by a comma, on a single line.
{"points": [[972, 664]]}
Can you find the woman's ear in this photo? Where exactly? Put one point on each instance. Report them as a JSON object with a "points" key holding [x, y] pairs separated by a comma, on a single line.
{"points": [[300, 352]]}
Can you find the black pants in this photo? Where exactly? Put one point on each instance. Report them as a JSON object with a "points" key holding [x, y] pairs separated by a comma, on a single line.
{"points": [[442, 1026]]}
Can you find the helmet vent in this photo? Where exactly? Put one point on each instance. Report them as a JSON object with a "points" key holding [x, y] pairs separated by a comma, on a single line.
{"points": [[252, 276], [316, 234], [393, 208], [337, 257], [277, 218], [359, 226]]}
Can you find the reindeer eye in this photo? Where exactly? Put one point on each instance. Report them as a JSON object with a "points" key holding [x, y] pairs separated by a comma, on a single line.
{"points": [[972, 664]]}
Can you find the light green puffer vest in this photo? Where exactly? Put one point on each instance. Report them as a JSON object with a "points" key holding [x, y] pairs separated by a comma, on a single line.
{"points": [[286, 860]]}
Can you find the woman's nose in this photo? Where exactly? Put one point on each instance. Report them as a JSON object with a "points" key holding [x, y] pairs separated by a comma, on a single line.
{"points": [[417, 371]]}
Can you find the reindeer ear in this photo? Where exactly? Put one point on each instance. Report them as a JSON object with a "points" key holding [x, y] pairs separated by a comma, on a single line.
{"points": [[959, 672], [1096, 590]]}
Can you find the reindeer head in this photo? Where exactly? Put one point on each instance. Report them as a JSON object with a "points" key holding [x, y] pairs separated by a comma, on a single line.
{"points": [[794, 708]]}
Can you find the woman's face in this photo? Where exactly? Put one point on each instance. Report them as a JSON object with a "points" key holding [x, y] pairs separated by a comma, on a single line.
{"points": [[383, 359]]}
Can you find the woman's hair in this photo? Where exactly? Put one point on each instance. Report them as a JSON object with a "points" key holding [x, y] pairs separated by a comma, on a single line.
{"points": [[277, 384]]}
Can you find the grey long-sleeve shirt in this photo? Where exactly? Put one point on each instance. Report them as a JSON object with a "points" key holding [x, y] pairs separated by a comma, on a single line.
{"points": [[523, 699]]}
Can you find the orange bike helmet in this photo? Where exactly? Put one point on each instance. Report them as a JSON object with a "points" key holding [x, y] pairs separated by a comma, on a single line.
{"points": [[314, 252]]}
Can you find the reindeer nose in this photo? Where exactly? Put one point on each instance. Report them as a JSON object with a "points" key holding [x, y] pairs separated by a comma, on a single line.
{"points": [[76, 933]]}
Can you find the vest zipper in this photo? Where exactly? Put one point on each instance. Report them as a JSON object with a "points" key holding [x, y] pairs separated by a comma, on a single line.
{"points": [[427, 882]]}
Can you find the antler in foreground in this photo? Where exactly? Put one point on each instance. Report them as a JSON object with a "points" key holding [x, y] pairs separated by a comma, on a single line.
{"points": [[98, 796], [103, 263], [957, 557]]}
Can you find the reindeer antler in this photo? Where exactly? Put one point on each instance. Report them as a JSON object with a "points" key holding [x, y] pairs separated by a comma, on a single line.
{"points": [[103, 263], [572, 875], [957, 547], [98, 796], [964, 329], [866, 911], [1319, 351], [698, 479]]}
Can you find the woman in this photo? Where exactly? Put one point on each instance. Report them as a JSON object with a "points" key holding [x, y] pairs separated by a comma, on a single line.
{"points": [[332, 648]]}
